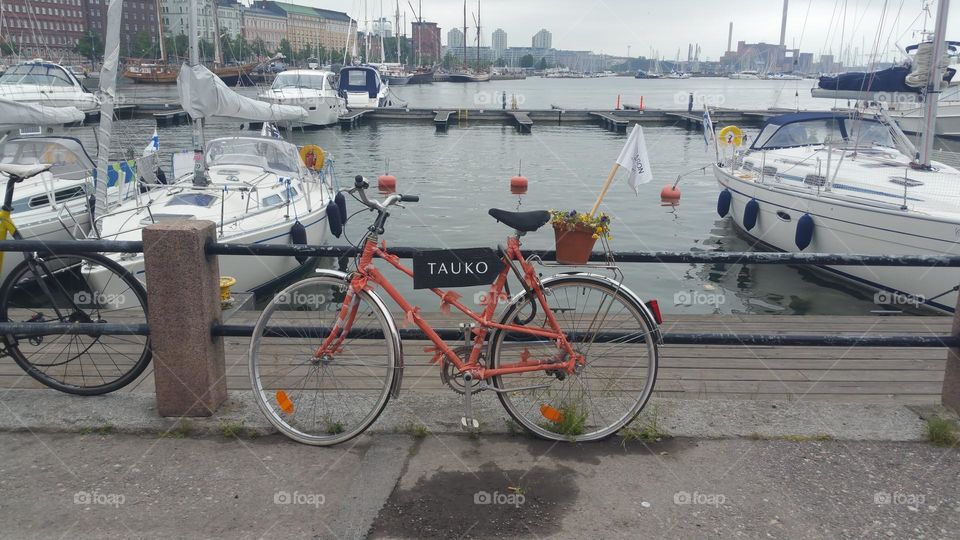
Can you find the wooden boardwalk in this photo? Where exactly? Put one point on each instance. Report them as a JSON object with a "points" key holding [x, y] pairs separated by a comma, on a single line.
{"points": [[860, 374]]}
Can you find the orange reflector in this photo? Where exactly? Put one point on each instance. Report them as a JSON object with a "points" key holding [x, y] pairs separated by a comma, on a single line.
{"points": [[551, 414], [283, 400]]}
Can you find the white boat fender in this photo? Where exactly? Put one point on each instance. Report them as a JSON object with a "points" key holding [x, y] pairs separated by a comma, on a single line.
{"points": [[804, 231], [750, 214], [342, 206], [334, 221], [723, 202], [298, 237]]}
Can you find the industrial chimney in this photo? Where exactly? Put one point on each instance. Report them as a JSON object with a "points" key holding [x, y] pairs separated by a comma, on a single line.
{"points": [[730, 38]]}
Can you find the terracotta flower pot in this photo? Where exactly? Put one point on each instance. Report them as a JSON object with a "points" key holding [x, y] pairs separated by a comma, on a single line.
{"points": [[574, 245]]}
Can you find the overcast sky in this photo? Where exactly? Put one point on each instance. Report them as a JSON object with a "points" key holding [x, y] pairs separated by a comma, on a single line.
{"points": [[609, 26]]}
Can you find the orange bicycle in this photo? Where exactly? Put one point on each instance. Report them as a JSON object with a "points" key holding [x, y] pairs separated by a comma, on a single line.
{"points": [[571, 357]]}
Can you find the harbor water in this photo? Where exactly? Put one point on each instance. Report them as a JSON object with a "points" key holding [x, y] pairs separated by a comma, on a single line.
{"points": [[460, 174]]}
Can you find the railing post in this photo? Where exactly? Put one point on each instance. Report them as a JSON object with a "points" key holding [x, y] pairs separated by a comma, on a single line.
{"points": [[184, 303], [950, 396]]}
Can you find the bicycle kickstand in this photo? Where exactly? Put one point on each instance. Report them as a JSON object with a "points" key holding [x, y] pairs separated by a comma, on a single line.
{"points": [[467, 422]]}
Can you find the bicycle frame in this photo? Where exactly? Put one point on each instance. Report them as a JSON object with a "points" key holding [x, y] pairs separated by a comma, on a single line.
{"points": [[566, 359]]}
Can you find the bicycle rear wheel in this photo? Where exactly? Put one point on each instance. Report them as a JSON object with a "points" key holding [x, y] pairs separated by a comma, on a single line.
{"points": [[618, 339], [331, 399], [59, 289]]}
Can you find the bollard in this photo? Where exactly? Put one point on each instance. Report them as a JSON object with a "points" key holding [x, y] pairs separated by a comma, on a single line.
{"points": [[183, 295], [950, 395], [690, 103]]}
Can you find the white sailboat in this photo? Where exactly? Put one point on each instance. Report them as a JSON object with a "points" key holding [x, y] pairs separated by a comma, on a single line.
{"points": [[849, 182], [256, 189]]}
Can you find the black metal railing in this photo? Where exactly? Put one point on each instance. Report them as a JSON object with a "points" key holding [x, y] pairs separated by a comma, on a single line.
{"points": [[674, 338]]}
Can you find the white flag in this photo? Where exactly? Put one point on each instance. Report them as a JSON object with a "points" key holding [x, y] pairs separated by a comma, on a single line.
{"points": [[154, 145], [634, 159]]}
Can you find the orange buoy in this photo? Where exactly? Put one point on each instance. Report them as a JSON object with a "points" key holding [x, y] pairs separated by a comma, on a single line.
{"points": [[670, 192], [519, 185], [387, 183]]}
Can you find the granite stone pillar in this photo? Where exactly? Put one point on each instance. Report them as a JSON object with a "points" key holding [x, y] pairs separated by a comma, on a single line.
{"points": [[183, 301]]}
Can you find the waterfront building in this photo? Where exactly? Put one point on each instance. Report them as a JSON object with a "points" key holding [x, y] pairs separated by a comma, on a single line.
{"points": [[266, 26], [499, 42], [543, 40], [454, 38], [426, 40], [44, 28]]}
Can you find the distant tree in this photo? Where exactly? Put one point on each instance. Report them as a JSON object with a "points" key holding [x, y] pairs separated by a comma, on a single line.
{"points": [[286, 49], [177, 46], [527, 61], [8, 47], [500, 62], [206, 49], [259, 46], [142, 44], [542, 65], [448, 61], [90, 46]]}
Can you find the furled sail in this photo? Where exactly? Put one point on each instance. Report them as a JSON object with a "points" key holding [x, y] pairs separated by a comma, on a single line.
{"points": [[204, 95]]}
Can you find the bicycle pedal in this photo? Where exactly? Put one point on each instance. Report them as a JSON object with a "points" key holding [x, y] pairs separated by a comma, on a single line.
{"points": [[469, 424]]}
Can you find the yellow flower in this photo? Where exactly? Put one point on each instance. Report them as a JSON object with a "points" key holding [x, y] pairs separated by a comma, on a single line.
{"points": [[596, 236]]}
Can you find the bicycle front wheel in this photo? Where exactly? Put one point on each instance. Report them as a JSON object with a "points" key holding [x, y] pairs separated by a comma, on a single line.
{"points": [[81, 288], [331, 398], [618, 340]]}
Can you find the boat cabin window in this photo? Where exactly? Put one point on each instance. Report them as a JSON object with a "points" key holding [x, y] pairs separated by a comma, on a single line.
{"points": [[315, 81], [67, 162], [869, 133], [192, 199], [270, 154], [803, 133], [40, 74], [59, 196]]}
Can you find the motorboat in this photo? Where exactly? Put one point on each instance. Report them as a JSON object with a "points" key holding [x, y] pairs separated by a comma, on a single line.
{"points": [[784, 77], [846, 182], [468, 77], [749, 74], [46, 83], [363, 88], [676, 75], [313, 90]]}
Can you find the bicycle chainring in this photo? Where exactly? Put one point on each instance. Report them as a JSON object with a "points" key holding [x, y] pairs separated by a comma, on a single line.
{"points": [[448, 372]]}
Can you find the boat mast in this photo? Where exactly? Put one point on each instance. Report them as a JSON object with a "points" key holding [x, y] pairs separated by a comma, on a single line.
{"points": [[396, 30], [163, 46], [464, 34], [479, 35], [198, 168], [108, 91], [932, 93], [217, 53]]}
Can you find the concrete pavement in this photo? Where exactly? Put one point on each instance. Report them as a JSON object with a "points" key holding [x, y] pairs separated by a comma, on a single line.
{"points": [[453, 486]]}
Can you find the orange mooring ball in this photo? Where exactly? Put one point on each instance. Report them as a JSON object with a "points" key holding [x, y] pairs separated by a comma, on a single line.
{"points": [[519, 184], [670, 192], [387, 182]]}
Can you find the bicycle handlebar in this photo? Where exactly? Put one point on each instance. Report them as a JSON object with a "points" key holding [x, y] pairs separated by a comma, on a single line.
{"points": [[360, 186]]}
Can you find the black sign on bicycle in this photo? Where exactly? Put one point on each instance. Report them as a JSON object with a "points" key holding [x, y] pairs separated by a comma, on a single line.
{"points": [[451, 268]]}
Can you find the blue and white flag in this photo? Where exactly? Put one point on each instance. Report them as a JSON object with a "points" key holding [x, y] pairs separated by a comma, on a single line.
{"points": [[154, 145], [270, 130], [708, 134]]}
